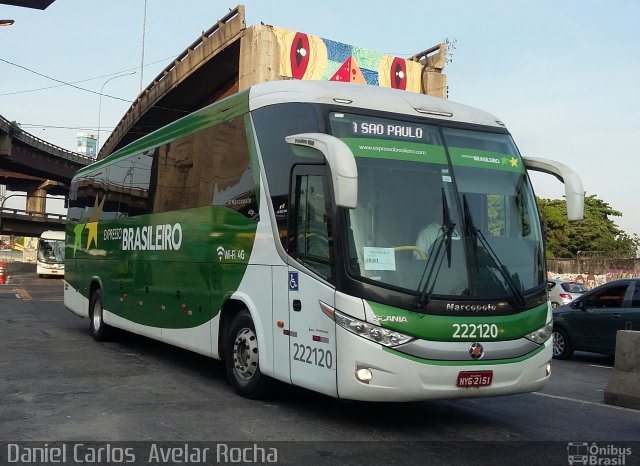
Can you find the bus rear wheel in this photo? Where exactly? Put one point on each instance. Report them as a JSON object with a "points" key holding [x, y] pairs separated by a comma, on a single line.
{"points": [[241, 358], [99, 330]]}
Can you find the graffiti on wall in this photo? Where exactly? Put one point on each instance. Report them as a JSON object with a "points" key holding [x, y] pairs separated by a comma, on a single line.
{"points": [[592, 280], [618, 274], [308, 57]]}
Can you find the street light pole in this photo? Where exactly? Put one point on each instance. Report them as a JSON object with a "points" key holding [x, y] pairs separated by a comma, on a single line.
{"points": [[100, 106], [144, 24]]}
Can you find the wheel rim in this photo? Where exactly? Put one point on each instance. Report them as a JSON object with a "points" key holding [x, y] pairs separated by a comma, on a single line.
{"points": [[554, 305], [558, 344], [245, 354], [97, 315]]}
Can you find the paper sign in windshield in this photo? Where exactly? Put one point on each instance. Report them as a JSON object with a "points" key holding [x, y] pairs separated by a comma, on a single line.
{"points": [[379, 258]]}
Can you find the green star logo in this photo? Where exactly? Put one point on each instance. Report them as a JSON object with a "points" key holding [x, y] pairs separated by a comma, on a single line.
{"points": [[77, 231], [91, 226]]}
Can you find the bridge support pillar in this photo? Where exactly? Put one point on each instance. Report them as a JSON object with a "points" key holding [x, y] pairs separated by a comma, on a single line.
{"points": [[37, 197], [37, 202], [5, 145]]}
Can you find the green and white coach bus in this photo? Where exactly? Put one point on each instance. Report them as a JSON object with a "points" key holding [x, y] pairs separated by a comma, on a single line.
{"points": [[366, 243]]}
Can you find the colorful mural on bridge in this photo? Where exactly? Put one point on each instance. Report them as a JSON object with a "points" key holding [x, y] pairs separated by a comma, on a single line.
{"points": [[308, 57]]}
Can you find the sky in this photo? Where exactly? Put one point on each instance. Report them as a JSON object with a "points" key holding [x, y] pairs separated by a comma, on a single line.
{"points": [[563, 75]]}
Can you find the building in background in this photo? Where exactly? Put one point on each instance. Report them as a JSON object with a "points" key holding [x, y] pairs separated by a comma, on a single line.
{"points": [[87, 145]]}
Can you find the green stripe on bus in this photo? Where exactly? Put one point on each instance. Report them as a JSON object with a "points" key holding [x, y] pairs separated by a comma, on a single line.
{"points": [[441, 328], [165, 286], [476, 158], [396, 150]]}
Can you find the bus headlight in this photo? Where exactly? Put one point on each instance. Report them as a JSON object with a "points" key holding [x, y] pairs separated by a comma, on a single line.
{"points": [[542, 334], [371, 332]]}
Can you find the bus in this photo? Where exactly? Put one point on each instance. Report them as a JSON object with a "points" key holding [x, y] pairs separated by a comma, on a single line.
{"points": [[276, 230], [50, 253]]}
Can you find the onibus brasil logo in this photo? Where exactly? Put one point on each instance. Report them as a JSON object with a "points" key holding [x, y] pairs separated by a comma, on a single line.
{"points": [[161, 237]]}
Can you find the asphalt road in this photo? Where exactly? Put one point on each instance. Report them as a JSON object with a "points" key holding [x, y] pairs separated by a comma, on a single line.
{"points": [[57, 384]]}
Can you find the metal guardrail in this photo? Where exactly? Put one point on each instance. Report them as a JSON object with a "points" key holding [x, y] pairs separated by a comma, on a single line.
{"points": [[25, 215], [40, 144], [238, 10], [23, 223], [32, 216]]}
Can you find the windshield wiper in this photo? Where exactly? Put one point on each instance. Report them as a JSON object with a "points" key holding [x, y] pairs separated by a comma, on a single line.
{"points": [[445, 239], [477, 234]]}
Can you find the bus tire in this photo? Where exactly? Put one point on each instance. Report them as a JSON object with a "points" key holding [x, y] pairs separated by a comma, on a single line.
{"points": [[99, 330], [241, 358], [562, 348]]}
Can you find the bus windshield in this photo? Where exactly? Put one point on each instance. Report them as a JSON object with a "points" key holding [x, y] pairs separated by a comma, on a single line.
{"points": [[440, 210], [51, 251]]}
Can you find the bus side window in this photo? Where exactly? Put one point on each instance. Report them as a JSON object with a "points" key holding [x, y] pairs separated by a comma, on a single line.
{"points": [[208, 167], [309, 220], [119, 188], [83, 200], [272, 124], [139, 189], [75, 209]]}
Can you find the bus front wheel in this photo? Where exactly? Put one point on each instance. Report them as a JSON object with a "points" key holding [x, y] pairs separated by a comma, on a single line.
{"points": [[99, 330], [241, 358]]}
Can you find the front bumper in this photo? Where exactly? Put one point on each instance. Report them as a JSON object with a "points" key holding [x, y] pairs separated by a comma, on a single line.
{"points": [[399, 377]]}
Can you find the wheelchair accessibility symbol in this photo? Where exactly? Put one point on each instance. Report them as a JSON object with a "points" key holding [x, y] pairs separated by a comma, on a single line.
{"points": [[293, 281]]}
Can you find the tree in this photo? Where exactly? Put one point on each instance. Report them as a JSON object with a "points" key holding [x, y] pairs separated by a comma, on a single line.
{"points": [[596, 232], [14, 128]]}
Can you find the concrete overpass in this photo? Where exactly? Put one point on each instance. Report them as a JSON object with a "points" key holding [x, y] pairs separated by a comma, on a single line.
{"points": [[204, 73], [31, 165], [226, 58], [211, 68], [35, 4], [34, 166], [20, 222]]}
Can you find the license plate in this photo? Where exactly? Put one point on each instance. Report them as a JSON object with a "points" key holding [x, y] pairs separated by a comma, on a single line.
{"points": [[472, 379]]}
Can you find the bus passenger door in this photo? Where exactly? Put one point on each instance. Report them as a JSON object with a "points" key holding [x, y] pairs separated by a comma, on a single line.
{"points": [[312, 333]]}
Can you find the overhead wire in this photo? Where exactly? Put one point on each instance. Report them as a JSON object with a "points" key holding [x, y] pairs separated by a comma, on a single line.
{"points": [[85, 89], [82, 80], [81, 128], [63, 82], [73, 85]]}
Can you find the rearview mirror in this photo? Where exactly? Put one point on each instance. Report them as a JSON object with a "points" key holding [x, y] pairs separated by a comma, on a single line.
{"points": [[342, 163], [573, 190]]}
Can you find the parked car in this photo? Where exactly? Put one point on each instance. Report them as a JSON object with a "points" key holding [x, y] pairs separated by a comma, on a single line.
{"points": [[590, 323], [564, 291]]}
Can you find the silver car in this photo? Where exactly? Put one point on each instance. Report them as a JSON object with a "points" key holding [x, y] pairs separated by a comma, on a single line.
{"points": [[562, 292]]}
